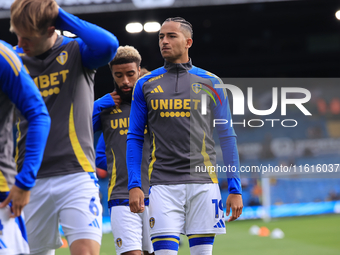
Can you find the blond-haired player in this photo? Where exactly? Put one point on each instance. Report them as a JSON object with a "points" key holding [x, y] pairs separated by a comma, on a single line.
{"points": [[63, 69]]}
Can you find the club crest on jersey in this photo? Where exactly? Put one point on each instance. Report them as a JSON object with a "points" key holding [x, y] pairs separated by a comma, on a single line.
{"points": [[119, 242], [62, 58], [196, 87], [152, 222]]}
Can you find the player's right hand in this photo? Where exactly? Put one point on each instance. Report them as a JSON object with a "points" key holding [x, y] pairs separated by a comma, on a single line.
{"points": [[136, 200], [19, 198], [116, 98], [234, 201]]}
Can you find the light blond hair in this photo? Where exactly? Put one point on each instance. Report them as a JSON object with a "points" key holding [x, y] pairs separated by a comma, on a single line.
{"points": [[126, 54], [33, 16]]}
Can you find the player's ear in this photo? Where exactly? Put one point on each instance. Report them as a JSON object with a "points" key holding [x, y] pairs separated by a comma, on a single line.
{"points": [[50, 31], [139, 71], [189, 43]]}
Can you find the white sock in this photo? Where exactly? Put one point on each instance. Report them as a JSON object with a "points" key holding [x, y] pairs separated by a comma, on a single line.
{"points": [[203, 249], [166, 252]]}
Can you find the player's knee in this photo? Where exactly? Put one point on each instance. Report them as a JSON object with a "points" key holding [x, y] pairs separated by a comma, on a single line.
{"points": [[165, 244], [85, 247]]}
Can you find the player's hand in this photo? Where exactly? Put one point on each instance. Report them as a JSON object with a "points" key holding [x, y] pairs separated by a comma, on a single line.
{"points": [[19, 198], [234, 201], [116, 98], [136, 200]]}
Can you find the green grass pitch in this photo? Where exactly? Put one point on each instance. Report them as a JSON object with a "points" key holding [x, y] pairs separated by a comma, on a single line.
{"points": [[313, 235]]}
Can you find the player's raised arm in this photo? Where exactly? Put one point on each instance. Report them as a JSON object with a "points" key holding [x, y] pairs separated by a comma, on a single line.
{"points": [[100, 104], [134, 151], [97, 45], [66, 66], [21, 90]]}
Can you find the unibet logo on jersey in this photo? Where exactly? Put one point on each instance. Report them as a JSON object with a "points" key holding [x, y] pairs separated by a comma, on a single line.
{"points": [[50, 84]]}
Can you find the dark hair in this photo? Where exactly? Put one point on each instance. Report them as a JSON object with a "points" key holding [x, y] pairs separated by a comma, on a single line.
{"points": [[184, 24]]}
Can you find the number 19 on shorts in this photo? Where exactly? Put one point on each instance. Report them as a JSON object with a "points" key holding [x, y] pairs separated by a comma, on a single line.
{"points": [[218, 205]]}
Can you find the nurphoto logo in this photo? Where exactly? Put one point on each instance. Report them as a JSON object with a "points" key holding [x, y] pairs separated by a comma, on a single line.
{"points": [[239, 99]]}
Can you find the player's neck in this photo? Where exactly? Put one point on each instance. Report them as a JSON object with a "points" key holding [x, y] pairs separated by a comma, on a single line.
{"points": [[48, 47], [52, 40], [181, 60]]}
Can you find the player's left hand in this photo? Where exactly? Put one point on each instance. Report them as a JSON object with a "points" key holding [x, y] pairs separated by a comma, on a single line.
{"points": [[19, 198], [234, 201]]}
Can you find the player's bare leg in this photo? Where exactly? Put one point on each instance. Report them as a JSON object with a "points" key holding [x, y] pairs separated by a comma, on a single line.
{"points": [[85, 247], [135, 252]]}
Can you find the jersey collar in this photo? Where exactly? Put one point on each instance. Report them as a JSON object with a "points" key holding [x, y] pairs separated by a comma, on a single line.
{"points": [[182, 67]]}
